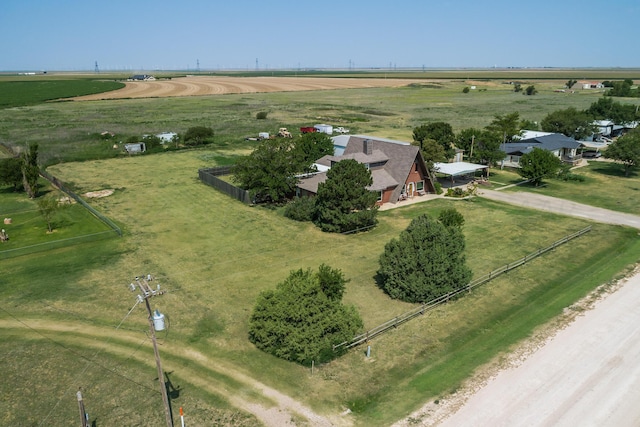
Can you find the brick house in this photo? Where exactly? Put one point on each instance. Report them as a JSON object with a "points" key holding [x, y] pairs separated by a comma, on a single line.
{"points": [[397, 168]]}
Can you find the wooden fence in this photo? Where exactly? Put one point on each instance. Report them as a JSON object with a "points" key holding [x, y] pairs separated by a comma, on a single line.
{"points": [[210, 177], [398, 320]]}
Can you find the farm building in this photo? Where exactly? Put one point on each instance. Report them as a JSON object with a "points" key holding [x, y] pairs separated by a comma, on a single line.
{"points": [[166, 137], [141, 77], [135, 147], [397, 168], [591, 85]]}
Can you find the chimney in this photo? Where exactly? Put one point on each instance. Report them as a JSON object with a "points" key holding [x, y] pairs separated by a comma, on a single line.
{"points": [[367, 147]]}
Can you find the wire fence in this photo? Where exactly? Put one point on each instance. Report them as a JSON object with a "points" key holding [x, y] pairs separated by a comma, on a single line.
{"points": [[47, 246], [60, 185], [405, 317]]}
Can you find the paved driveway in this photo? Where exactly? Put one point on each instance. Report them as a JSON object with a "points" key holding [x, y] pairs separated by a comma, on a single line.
{"points": [[561, 206]]}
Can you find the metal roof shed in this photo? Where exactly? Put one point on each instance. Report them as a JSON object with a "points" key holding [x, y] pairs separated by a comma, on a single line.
{"points": [[457, 168]]}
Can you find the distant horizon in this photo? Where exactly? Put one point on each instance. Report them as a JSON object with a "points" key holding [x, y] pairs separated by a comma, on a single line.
{"points": [[308, 69], [120, 35]]}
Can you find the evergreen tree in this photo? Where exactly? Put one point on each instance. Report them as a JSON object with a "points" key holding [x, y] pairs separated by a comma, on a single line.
{"points": [[425, 262], [343, 202], [30, 171], [303, 318]]}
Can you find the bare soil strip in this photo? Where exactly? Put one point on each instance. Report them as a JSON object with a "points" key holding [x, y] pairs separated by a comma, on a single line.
{"points": [[284, 409], [203, 85]]}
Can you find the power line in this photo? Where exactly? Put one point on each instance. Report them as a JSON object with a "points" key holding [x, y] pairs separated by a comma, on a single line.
{"points": [[156, 321]]}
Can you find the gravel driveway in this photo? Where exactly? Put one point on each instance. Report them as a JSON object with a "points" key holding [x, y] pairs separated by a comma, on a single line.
{"points": [[561, 206]]}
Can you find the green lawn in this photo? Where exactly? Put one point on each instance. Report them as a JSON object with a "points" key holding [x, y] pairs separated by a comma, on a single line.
{"points": [[28, 231], [604, 186], [215, 255]]}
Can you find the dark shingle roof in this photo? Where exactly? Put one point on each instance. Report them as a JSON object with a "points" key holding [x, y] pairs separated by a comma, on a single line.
{"points": [[551, 142], [394, 161]]}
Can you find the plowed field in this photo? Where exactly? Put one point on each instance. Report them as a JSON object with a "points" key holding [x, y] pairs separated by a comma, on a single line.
{"points": [[195, 86]]}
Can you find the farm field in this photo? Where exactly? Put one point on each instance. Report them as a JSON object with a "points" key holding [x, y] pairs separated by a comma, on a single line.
{"points": [[204, 85], [70, 131], [67, 310]]}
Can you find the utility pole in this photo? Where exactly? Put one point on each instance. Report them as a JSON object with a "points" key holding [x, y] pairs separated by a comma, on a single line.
{"points": [[143, 284], [83, 414]]}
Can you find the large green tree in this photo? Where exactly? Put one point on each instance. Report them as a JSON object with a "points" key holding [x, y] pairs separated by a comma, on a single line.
{"points": [[313, 145], [539, 164], [626, 150], [623, 88], [343, 202], [481, 146], [11, 172], [303, 318], [441, 132], [569, 122], [432, 152], [198, 135], [507, 126], [270, 172], [606, 108], [425, 262]]}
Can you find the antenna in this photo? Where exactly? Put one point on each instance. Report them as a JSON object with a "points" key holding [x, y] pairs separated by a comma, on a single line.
{"points": [[197, 65], [96, 69]]}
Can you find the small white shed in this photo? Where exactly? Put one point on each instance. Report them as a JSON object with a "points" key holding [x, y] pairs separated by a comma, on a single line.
{"points": [[328, 129]]}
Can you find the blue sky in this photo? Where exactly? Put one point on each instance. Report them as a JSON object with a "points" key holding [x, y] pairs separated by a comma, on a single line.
{"points": [[72, 35]]}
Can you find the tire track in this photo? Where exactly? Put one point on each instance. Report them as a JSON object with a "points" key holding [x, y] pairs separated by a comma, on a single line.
{"points": [[198, 372]]}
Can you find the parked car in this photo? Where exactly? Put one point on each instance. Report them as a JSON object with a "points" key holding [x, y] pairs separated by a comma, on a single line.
{"points": [[341, 130], [591, 154]]}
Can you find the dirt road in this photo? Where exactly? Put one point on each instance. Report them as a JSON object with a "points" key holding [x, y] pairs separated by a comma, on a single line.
{"points": [[588, 374]]}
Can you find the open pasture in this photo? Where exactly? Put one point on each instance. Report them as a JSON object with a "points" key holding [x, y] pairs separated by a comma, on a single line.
{"points": [[70, 131], [215, 255]]}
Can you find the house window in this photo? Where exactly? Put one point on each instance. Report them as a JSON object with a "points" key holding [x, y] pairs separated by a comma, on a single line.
{"points": [[420, 185], [379, 196]]}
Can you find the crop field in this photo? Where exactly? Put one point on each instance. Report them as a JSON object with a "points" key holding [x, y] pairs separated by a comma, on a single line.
{"points": [[70, 131], [69, 310], [17, 93]]}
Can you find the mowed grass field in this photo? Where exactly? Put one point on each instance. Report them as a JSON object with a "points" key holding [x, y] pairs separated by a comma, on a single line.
{"points": [[215, 255], [65, 311]]}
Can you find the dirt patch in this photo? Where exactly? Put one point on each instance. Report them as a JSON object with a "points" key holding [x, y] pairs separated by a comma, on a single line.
{"points": [[98, 194], [204, 85]]}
